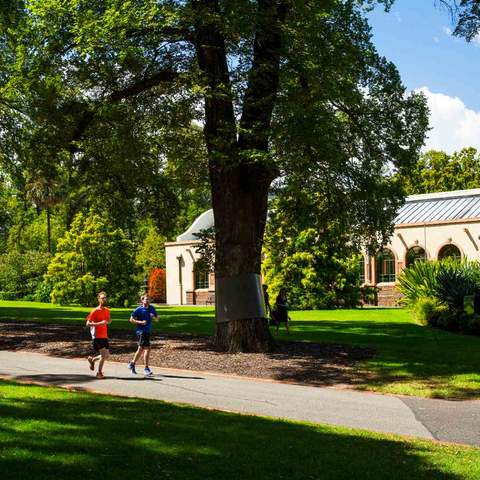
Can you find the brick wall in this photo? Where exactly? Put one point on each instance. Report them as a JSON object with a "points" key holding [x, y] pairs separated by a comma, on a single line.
{"points": [[388, 296], [200, 297]]}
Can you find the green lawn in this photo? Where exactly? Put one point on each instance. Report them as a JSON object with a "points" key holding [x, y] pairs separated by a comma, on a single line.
{"points": [[50, 433], [410, 359], [193, 320]]}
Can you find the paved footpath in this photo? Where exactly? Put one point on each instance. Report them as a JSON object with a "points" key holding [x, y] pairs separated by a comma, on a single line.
{"points": [[411, 416]]}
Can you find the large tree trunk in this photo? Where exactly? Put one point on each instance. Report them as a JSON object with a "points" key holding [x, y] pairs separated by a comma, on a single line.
{"points": [[240, 209], [240, 171]]}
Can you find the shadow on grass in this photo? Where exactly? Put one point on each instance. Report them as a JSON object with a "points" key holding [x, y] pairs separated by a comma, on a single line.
{"points": [[195, 321], [406, 353], [60, 379], [76, 435]]}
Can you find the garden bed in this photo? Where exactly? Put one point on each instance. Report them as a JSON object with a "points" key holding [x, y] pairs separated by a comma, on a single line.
{"points": [[300, 362]]}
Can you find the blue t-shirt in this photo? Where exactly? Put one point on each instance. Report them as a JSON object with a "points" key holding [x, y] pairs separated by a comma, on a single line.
{"points": [[143, 313]]}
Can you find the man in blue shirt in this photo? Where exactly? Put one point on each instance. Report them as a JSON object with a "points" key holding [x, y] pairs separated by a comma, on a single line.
{"points": [[142, 317]]}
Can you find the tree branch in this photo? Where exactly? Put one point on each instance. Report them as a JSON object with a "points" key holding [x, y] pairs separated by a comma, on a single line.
{"points": [[89, 112], [172, 34], [220, 125], [163, 76], [263, 79], [14, 108]]}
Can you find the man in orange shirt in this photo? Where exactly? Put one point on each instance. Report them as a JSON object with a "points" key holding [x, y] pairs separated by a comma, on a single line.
{"points": [[97, 320]]}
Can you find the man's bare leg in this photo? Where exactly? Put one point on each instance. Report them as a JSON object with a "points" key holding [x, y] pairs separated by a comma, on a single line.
{"points": [[92, 360], [137, 355], [104, 354], [146, 356]]}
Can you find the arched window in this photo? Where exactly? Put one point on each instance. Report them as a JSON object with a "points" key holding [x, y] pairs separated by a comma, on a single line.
{"points": [[201, 275], [361, 269], [385, 261], [449, 251], [415, 254]]}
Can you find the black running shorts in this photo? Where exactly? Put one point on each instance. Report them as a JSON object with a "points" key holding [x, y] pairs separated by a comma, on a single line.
{"points": [[100, 343], [143, 339]]}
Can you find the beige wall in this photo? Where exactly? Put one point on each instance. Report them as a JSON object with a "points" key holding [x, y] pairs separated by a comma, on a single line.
{"points": [[433, 237], [176, 290]]}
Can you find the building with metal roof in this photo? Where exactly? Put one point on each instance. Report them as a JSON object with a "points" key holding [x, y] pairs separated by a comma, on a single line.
{"points": [[429, 226]]}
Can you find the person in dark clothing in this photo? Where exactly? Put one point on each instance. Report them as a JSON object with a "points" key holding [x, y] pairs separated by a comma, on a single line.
{"points": [[267, 299], [142, 317], [281, 309]]}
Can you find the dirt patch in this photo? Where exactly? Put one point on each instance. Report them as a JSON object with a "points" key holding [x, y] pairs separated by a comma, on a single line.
{"points": [[300, 362]]}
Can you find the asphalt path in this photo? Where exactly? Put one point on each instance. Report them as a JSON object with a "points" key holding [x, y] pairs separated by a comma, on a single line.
{"points": [[443, 420]]}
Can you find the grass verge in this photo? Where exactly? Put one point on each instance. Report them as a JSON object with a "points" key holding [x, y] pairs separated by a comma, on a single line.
{"points": [[52, 433]]}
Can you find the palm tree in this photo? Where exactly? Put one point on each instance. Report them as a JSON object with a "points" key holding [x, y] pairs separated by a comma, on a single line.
{"points": [[45, 193]]}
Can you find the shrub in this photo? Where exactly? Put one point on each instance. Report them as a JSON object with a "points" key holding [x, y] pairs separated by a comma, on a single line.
{"points": [[22, 272], [9, 296], [455, 280], [450, 320], [368, 294], [418, 281], [157, 285], [92, 256], [42, 292], [428, 311], [437, 292]]}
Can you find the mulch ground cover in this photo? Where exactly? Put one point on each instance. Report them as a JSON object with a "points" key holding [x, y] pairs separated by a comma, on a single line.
{"points": [[319, 364]]}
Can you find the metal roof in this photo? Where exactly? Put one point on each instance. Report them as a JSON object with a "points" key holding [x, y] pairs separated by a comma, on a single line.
{"points": [[440, 207], [429, 207]]}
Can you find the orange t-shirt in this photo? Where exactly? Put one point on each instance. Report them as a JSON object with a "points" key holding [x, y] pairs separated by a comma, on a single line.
{"points": [[97, 315]]}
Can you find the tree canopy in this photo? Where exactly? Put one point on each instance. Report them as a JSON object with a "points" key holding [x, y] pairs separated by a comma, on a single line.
{"points": [[108, 93], [467, 15], [92, 256], [437, 171]]}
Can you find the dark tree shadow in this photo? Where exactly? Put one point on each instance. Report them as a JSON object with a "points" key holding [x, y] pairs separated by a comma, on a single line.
{"points": [[77, 435]]}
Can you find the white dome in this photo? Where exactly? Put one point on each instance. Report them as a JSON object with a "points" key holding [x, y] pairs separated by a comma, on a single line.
{"points": [[202, 222]]}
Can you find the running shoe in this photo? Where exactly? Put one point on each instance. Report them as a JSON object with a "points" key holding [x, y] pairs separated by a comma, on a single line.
{"points": [[147, 372], [100, 375], [131, 367]]}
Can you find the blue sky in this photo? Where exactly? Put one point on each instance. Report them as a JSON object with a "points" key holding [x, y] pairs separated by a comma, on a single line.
{"points": [[416, 36]]}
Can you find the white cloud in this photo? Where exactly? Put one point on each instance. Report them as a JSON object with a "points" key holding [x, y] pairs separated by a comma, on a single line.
{"points": [[449, 32], [453, 125]]}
